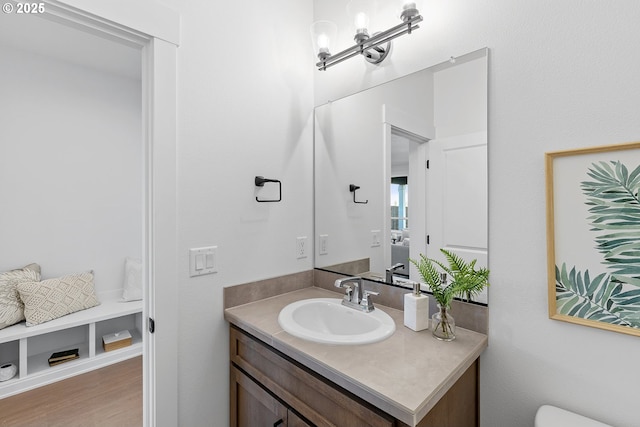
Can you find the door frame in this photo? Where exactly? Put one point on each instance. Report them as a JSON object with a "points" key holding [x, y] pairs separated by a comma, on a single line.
{"points": [[134, 26], [421, 131]]}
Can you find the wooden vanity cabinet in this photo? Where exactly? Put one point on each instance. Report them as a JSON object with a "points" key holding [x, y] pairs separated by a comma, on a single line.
{"points": [[269, 389], [254, 406], [296, 388]]}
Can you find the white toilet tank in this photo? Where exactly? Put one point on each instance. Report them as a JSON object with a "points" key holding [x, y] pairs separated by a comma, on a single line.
{"points": [[550, 416]]}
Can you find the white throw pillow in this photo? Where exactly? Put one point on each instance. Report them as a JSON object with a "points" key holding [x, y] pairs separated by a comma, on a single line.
{"points": [[11, 306], [132, 280], [53, 298]]}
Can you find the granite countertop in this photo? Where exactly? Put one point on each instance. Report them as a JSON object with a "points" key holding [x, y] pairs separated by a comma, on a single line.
{"points": [[404, 375]]}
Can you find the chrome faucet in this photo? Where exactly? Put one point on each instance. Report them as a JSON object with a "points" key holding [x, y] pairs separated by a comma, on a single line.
{"points": [[356, 296], [389, 272]]}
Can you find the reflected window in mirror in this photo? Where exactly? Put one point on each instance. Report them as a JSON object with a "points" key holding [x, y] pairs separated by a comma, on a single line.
{"points": [[400, 226], [399, 207]]}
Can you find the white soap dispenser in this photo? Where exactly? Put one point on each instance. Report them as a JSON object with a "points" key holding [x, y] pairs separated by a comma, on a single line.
{"points": [[416, 309]]}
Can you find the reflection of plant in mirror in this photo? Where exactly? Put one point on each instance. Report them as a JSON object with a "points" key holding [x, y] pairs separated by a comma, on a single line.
{"points": [[466, 281]]}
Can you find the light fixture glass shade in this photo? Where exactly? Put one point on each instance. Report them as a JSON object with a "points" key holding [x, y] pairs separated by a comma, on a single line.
{"points": [[407, 9], [360, 12], [323, 33]]}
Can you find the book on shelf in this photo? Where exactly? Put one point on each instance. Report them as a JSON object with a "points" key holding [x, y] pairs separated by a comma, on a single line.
{"points": [[63, 356], [57, 362]]}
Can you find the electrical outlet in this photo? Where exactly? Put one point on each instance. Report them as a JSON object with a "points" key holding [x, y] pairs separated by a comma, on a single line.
{"points": [[375, 238], [324, 244], [301, 247]]}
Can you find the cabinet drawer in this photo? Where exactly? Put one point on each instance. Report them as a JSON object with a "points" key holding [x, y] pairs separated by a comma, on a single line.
{"points": [[313, 397]]}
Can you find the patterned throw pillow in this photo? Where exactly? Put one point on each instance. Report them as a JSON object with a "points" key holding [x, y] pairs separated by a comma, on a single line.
{"points": [[11, 306], [53, 298]]}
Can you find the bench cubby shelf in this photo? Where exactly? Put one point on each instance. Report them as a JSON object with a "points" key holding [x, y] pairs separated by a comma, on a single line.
{"points": [[29, 347]]}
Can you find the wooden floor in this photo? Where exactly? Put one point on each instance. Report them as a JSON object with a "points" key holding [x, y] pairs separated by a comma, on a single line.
{"points": [[107, 397]]}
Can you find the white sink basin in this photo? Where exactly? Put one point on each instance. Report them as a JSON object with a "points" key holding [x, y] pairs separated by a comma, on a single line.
{"points": [[326, 320]]}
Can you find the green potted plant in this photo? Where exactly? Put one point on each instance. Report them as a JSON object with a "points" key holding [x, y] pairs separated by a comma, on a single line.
{"points": [[465, 281]]}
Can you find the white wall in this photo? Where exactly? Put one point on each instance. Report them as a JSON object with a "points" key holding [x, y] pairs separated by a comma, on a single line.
{"points": [[70, 168], [460, 97], [561, 75], [244, 109]]}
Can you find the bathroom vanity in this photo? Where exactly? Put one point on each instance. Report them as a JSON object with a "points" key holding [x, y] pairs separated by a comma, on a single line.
{"points": [[409, 379]]}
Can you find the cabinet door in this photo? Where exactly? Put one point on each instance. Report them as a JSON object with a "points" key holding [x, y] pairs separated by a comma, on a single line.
{"points": [[251, 406], [296, 421]]}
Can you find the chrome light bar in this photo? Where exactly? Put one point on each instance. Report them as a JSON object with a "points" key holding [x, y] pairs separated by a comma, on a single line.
{"points": [[371, 46]]}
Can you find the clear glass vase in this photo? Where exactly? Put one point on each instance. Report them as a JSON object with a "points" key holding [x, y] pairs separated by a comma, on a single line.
{"points": [[443, 325]]}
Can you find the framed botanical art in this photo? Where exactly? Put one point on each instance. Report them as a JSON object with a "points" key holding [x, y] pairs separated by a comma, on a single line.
{"points": [[593, 236]]}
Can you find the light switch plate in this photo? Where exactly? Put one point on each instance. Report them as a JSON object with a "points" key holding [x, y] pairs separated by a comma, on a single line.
{"points": [[203, 261], [375, 238]]}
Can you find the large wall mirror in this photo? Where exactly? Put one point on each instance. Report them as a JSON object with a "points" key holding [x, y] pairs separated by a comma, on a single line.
{"points": [[401, 170]]}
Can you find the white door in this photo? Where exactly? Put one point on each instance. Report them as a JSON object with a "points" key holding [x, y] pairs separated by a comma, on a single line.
{"points": [[457, 188]]}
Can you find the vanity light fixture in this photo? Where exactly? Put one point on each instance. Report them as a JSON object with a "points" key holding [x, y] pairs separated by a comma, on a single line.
{"points": [[374, 48]]}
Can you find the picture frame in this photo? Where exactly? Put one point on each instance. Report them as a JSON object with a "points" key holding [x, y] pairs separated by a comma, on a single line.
{"points": [[593, 236]]}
